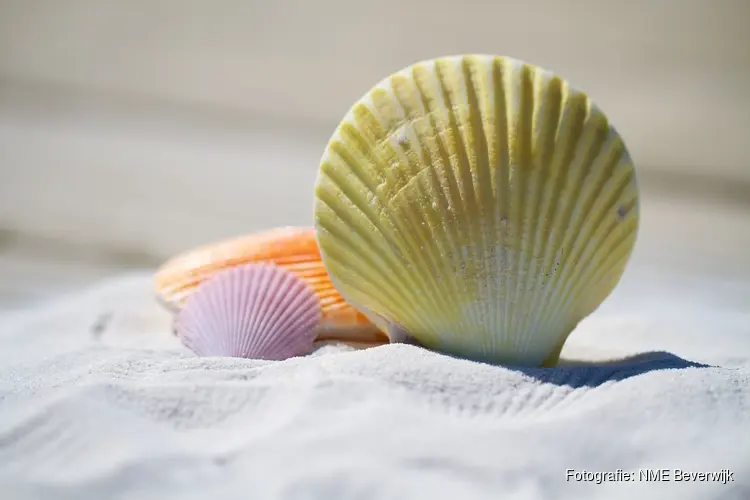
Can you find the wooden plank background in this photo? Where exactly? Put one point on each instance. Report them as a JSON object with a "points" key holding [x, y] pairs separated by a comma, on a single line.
{"points": [[133, 129]]}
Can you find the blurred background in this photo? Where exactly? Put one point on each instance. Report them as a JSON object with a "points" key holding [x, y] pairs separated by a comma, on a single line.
{"points": [[130, 130]]}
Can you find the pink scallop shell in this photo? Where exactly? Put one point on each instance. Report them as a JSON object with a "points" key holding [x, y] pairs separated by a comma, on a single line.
{"points": [[251, 311]]}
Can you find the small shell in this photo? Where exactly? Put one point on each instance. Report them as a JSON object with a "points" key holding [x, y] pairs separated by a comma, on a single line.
{"points": [[251, 311], [292, 248], [479, 205]]}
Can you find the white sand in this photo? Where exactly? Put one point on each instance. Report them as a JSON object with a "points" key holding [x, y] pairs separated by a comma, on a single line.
{"points": [[97, 400]]}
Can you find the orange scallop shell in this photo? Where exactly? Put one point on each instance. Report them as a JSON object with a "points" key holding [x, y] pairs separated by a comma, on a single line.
{"points": [[293, 248]]}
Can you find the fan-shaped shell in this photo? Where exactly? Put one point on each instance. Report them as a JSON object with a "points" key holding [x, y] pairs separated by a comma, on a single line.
{"points": [[250, 311], [292, 248], [478, 204]]}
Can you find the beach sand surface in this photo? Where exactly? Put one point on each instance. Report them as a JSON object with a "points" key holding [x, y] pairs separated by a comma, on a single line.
{"points": [[99, 400]]}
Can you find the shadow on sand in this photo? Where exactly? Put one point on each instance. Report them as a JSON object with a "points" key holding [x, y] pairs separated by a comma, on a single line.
{"points": [[578, 373]]}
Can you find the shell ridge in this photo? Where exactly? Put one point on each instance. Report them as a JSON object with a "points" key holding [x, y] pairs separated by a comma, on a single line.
{"points": [[282, 333], [239, 311], [555, 184], [297, 299], [511, 246], [276, 303], [537, 125], [299, 314], [522, 159], [178, 275], [239, 291], [358, 238], [545, 123], [408, 236], [582, 167], [593, 244], [426, 262], [263, 299], [395, 233], [418, 256], [586, 200], [213, 292], [199, 322], [409, 100], [395, 127], [348, 156], [501, 187], [358, 144], [366, 147], [295, 306], [213, 295], [615, 258], [331, 298], [372, 260], [456, 147], [453, 85], [583, 271], [446, 187], [454, 159], [309, 313], [571, 127], [283, 305], [475, 84], [401, 228], [587, 146], [445, 246], [297, 263], [223, 254], [371, 242], [364, 273]]}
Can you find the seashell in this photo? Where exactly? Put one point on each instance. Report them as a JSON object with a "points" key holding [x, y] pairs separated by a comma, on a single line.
{"points": [[292, 248], [250, 311], [477, 205]]}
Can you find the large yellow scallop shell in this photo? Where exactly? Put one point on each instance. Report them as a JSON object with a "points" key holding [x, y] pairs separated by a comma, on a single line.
{"points": [[479, 205]]}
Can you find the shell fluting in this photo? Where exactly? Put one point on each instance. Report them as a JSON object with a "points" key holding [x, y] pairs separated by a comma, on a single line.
{"points": [[292, 248], [478, 204], [250, 311]]}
